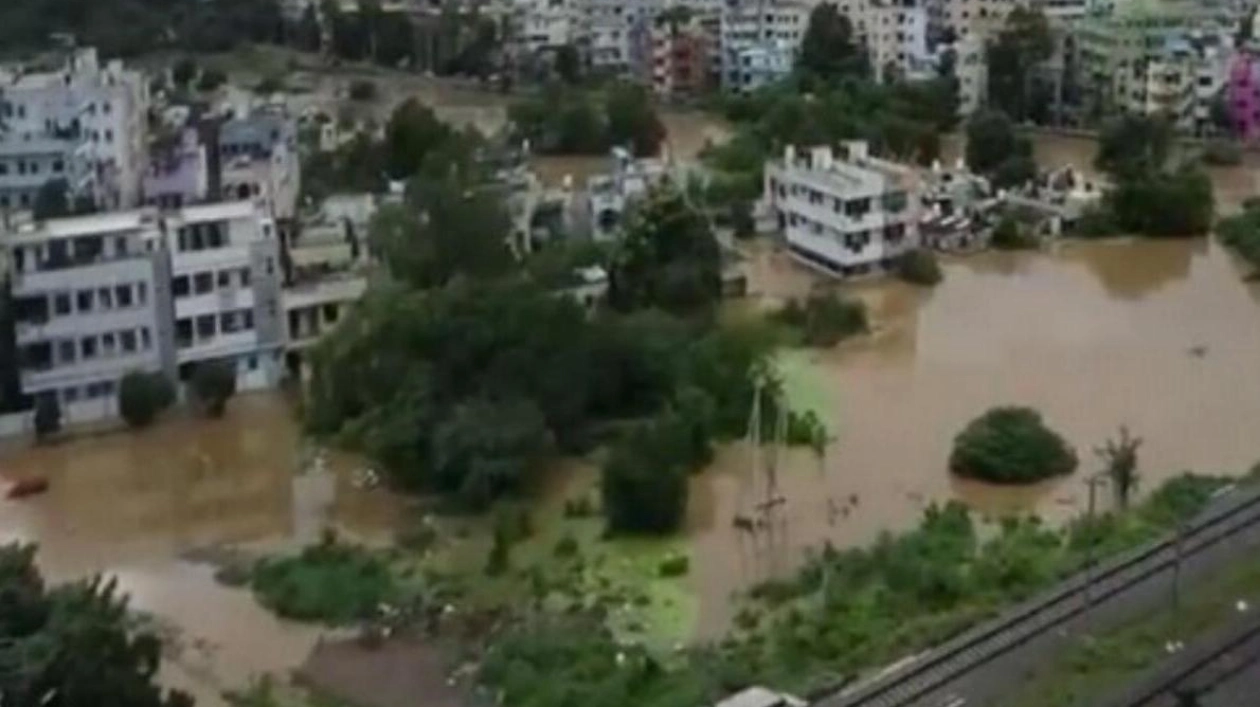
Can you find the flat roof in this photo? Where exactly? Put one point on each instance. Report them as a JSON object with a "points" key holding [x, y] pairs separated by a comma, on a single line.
{"points": [[217, 212]]}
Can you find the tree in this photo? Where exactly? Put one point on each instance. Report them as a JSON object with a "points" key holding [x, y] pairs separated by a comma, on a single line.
{"points": [[1170, 204], [828, 50], [668, 258], [1008, 234], [568, 64], [142, 396], [644, 481], [1010, 445], [1120, 456], [487, 449], [184, 71], [632, 120], [74, 645], [413, 131], [1131, 146], [1023, 44], [996, 150], [309, 34], [919, 267], [214, 383], [47, 416], [443, 230], [363, 90], [211, 79], [52, 200]]}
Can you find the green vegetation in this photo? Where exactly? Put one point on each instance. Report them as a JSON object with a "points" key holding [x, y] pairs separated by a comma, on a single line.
{"points": [[996, 150], [330, 582], [824, 319], [667, 259], [645, 476], [1241, 232], [1120, 457], [1019, 48], [143, 396], [919, 267], [213, 384], [76, 642], [829, 50], [1009, 234], [1010, 445], [1222, 153], [563, 120], [844, 612], [1097, 664], [1151, 197]]}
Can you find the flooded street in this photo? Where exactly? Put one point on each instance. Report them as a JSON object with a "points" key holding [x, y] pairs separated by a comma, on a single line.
{"points": [[130, 504]]}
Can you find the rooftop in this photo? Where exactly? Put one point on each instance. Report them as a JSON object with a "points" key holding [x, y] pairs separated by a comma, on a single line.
{"points": [[218, 212], [92, 224]]}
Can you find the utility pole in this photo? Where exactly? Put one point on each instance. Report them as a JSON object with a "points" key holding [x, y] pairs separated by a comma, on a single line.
{"points": [[1094, 482]]}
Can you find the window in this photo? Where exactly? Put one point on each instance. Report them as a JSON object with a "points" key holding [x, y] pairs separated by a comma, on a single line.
{"points": [[88, 346], [229, 323], [205, 326], [108, 344], [183, 333], [247, 318], [252, 363], [84, 300], [203, 282], [271, 267], [70, 395], [179, 286], [128, 341], [61, 303], [123, 294], [223, 278], [120, 245], [244, 277], [58, 166], [331, 312], [106, 298], [214, 235], [142, 292], [65, 351]]}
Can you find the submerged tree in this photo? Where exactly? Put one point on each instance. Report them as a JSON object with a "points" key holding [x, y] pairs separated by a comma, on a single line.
{"points": [[1010, 445], [1121, 458]]}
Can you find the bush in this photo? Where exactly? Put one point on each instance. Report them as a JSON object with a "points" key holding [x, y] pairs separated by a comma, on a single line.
{"points": [[328, 582], [211, 79], [823, 320], [1096, 222], [919, 267], [674, 566], [645, 477], [214, 383], [363, 90], [47, 416], [566, 546], [1010, 445], [1009, 235], [142, 396], [1222, 153]]}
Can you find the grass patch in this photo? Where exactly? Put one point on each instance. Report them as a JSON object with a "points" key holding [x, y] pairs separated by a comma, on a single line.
{"points": [[1096, 665]]}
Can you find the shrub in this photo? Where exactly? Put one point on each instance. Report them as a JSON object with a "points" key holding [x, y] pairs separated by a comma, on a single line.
{"points": [[1009, 235], [363, 90], [142, 396], [919, 267], [645, 477], [1222, 153], [674, 566], [214, 382], [566, 546], [47, 417], [211, 79], [824, 319], [1010, 445], [329, 582]]}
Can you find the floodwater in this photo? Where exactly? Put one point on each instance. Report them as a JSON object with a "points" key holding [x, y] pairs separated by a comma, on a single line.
{"points": [[131, 504], [1161, 336]]}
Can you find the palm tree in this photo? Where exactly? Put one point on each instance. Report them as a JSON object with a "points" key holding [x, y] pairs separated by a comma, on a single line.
{"points": [[1121, 459]]}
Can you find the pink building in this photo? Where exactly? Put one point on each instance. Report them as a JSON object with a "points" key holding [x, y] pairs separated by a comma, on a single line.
{"points": [[1244, 96]]}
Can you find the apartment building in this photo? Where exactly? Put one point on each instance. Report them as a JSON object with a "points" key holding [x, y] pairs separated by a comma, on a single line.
{"points": [[542, 26], [847, 215], [258, 159], [760, 39], [618, 36], [682, 57], [178, 174], [964, 19], [80, 121], [98, 296], [895, 34], [225, 288], [87, 295], [1162, 56]]}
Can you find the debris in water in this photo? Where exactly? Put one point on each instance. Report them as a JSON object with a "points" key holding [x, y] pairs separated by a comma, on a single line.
{"points": [[1198, 351]]}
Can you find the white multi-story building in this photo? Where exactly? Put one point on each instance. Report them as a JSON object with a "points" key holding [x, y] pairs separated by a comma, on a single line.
{"points": [[759, 41], [894, 32], [847, 216], [98, 296], [225, 288], [86, 294], [546, 25], [258, 160], [82, 121]]}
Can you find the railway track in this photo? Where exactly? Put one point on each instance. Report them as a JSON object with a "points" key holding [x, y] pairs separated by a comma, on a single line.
{"points": [[930, 673], [1219, 671]]}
